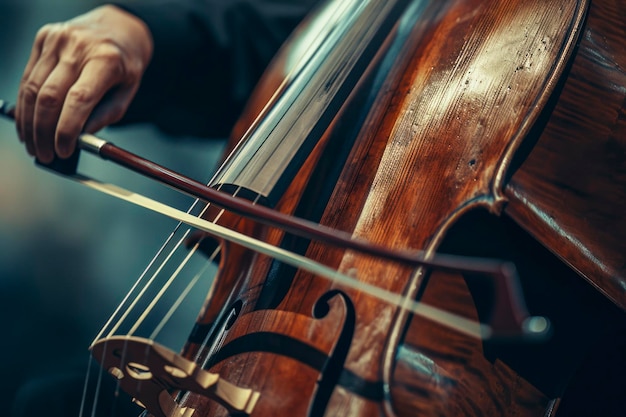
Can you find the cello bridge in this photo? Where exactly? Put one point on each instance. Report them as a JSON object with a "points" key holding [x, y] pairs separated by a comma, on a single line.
{"points": [[150, 372]]}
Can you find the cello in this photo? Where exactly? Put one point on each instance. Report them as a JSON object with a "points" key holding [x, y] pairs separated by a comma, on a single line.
{"points": [[419, 134]]}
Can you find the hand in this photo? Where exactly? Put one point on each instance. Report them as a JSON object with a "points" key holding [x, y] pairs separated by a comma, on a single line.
{"points": [[81, 76]]}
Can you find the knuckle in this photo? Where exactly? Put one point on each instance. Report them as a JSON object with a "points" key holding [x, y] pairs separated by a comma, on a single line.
{"points": [[70, 37], [109, 49], [50, 34], [80, 95], [29, 91], [78, 39], [44, 31], [50, 97], [70, 66], [112, 55], [71, 61]]}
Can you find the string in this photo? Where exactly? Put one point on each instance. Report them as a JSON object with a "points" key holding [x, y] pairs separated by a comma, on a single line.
{"points": [[144, 273], [295, 73], [303, 63], [151, 281], [97, 391], [137, 298], [167, 258], [171, 279], [312, 45], [183, 294], [338, 67], [293, 115], [160, 294], [146, 287], [161, 267], [439, 316], [142, 276], [326, 271], [85, 386]]}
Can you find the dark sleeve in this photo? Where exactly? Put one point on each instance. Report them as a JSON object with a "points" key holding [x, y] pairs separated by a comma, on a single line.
{"points": [[207, 58]]}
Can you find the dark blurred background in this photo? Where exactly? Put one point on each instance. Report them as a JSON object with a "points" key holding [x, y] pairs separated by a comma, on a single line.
{"points": [[68, 255]]}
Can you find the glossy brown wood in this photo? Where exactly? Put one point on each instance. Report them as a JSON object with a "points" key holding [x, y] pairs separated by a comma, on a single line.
{"points": [[467, 87], [570, 193]]}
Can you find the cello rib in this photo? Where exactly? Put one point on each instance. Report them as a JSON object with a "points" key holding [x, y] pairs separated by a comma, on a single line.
{"points": [[570, 193]]}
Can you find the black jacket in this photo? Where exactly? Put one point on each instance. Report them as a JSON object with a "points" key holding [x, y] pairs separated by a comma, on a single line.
{"points": [[208, 56]]}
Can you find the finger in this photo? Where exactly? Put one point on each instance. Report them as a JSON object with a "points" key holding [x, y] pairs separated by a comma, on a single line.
{"points": [[27, 98], [35, 54], [111, 109], [48, 107], [36, 50], [97, 78]]}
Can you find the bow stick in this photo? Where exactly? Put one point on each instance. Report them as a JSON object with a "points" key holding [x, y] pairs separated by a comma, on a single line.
{"points": [[510, 313]]}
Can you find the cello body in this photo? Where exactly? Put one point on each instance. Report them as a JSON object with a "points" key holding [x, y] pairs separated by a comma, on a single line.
{"points": [[426, 147]]}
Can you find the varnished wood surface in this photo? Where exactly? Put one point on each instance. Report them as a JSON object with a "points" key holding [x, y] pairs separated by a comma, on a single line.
{"points": [[446, 124], [468, 88], [570, 193]]}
